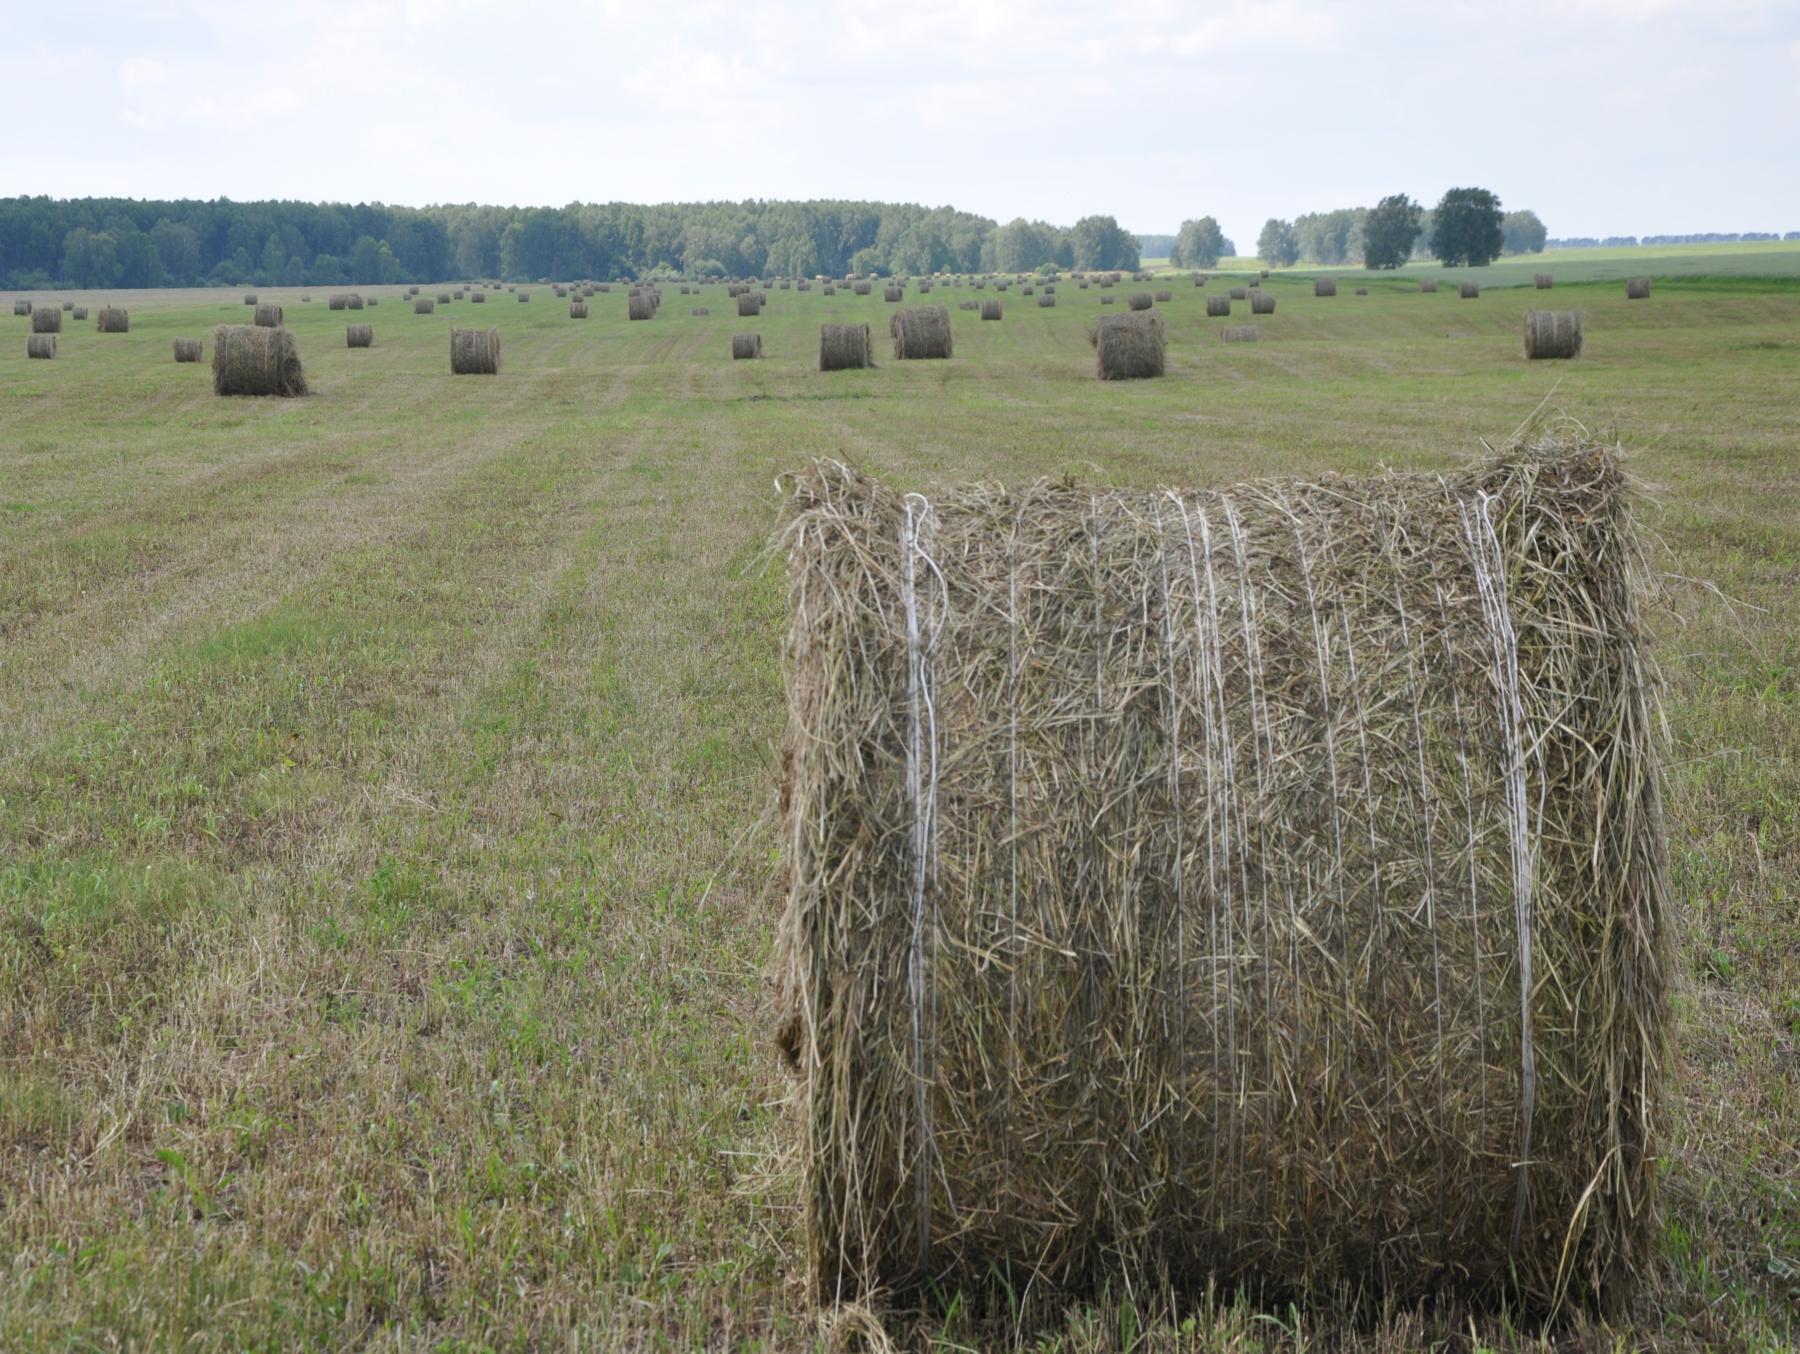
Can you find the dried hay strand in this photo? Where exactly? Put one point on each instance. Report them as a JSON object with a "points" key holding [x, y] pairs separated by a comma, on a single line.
{"points": [[1468, 291], [639, 306], [46, 320], [40, 345], [845, 347], [892, 294], [921, 332], [474, 352], [189, 349], [359, 336], [1265, 884], [1165, 295], [1240, 293], [1238, 333], [1552, 333], [112, 320], [1324, 286], [1262, 303], [1543, 281], [1217, 305], [578, 310], [1140, 300], [990, 310], [1129, 347], [1428, 285], [1637, 289], [749, 305], [746, 346], [251, 360], [78, 313], [1046, 300], [267, 316], [424, 305]]}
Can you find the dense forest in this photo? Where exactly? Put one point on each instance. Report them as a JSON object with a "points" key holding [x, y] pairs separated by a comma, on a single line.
{"points": [[118, 242]]}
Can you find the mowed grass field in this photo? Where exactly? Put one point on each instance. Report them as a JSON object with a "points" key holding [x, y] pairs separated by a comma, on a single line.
{"points": [[384, 862]]}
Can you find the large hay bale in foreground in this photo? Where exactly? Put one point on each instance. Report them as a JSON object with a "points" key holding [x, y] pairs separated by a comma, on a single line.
{"points": [[1217, 304], [1128, 347], [1637, 289], [267, 316], [46, 320], [1324, 286], [1262, 303], [189, 349], [921, 332], [113, 320], [843, 347], [1262, 884], [1552, 333], [251, 360], [745, 346], [475, 352], [359, 336], [40, 345]]}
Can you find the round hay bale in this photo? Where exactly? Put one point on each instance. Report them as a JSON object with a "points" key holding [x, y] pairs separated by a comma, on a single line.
{"points": [[338, 301], [359, 336], [443, 298], [639, 306], [1165, 295], [113, 320], [305, 299], [1428, 285], [1362, 291], [844, 347], [700, 312], [1046, 301], [46, 320], [22, 308], [68, 305], [478, 297], [990, 310], [967, 304], [1543, 281], [251, 360], [424, 305], [354, 300], [862, 288], [189, 349], [1324, 286], [892, 294], [828, 290], [78, 313], [745, 346], [373, 301], [475, 352], [1263, 273], [1240, 293], [1128, 347], [1082, 284], [1217, 305], [1027, 291], [1106, 298], [459, 294], [250, 298], [1263, 884], [524, 296], [1141, 300], [1239, 333], [267, 316], [749, 305], [1468, 291], [921, 332], [1637, 289], [578, 310], [40, 345], [1552, 334], [1262, 303]]}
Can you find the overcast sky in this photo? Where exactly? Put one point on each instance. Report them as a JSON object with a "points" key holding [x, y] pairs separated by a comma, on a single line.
{"points": [[1605, 116]]}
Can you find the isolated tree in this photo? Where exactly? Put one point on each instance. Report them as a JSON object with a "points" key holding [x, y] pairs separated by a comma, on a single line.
{"points": [[1523, 232], [1098, 242], [1278, 246], [1389, 230], [1466, 228], [1198, 244]]}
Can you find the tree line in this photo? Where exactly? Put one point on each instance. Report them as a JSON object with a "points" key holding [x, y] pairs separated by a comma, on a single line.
{"points": [[121, 242], [1466, 227]]}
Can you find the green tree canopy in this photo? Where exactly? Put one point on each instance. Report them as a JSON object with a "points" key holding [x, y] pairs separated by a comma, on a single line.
{"points": [[1198, 244], [1389, 231], [1278, 246], [1522, 233], [1466, 228]]}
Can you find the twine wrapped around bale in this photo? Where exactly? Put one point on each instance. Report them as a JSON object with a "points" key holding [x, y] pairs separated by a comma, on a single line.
{"points": [[112, 320], [188, 349], [1239, 333], [474, 352], [1637, 289], [921, 332], [46, 320], [991, 310], [267, 316], [1262, 303], [1265, 884], [844, 347], [746, 346], [359, 336], [1217, 305], [1128, 347], [1142, 300], [1552, 333], [251, 360], [40, 345], [1324, 286], [1468, 291]]}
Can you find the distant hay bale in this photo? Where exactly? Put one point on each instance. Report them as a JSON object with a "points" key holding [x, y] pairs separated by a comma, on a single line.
{"points": [[475, 352], [1468, 291], [1262, 303], [1027, 291], [78, 313], [603, 288], [68, 305], [250, 360], [828, 290], [1637, 289], [1082, 283], [990, 310], [924, 288], [373, 301], [922, 332], [1263, 884], [1217, 304], [478, 297], [359, 336], [1106, 298], [1552, 334], [1239, 333], [844, 347], [189, 349], [40, 345], [700, 312], [578, 310], [113, 320], [803, 285], [1240, 293], [968, 305], [892, 294], [1543, 281], [305, 299], [749, 305], [1046, 300], [250, 298], [1001, 286], [22, 308], [523, 297], [1128, 347], [459, 294], [1324, 286], [640, 306], [1428, 285], [1199, 279], [745, 346], [354, 300], [1362, 291], [46, 320], [1263, 273], [424, 305], [1140, 300], [861, 288], [1165, 295], [267, 316]]}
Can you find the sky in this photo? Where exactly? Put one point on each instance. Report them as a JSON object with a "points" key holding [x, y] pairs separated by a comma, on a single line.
{"points": [[1603, 116]]}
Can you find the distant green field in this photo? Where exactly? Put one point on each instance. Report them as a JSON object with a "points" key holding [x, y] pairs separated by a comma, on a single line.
{"points": [[385, 887]]}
